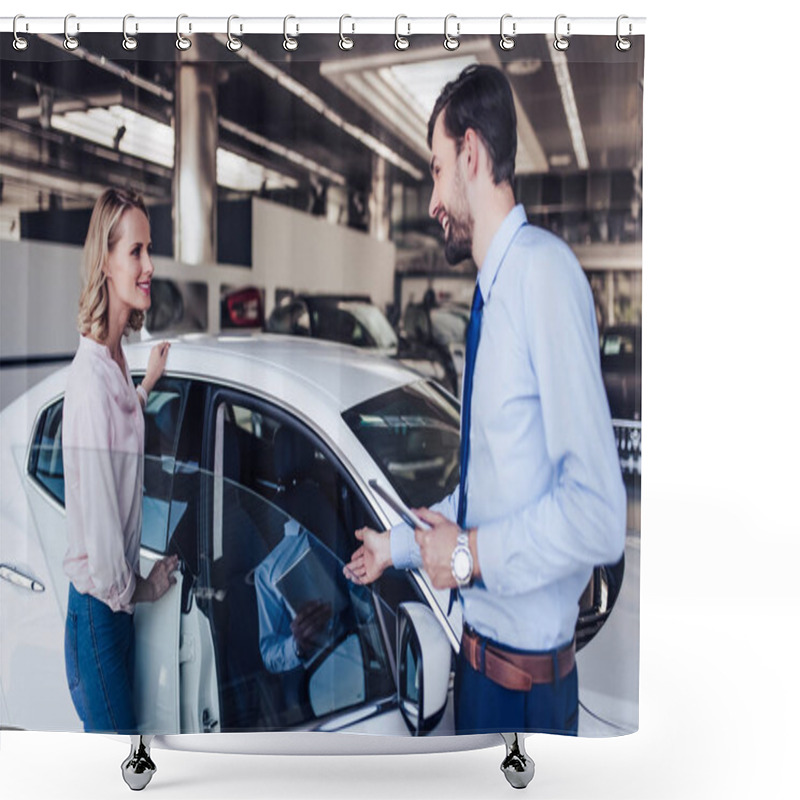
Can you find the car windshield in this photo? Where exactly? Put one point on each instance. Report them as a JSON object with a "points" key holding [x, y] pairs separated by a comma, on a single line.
{"points": [[413, 435], [371, 318], [620, 349], [449, 326], [352, 322]]}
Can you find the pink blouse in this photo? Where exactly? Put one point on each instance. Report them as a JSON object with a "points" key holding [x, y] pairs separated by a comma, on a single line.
{"points": [[103, 446]]}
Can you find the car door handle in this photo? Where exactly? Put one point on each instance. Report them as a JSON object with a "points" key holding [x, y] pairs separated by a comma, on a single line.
{"points": [[18, 578]]}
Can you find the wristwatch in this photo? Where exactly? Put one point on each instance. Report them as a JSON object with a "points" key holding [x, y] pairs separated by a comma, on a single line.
{"points": [[461, 561]]}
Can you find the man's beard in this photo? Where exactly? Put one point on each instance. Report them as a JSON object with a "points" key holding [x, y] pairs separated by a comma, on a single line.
{"points": [[458, 241], [458, 244]]}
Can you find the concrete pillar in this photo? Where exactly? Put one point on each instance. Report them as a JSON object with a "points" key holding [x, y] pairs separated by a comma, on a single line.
{"points": [[195, 176], [380, 200]]}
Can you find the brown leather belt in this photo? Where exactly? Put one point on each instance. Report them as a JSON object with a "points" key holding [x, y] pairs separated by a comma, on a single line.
{"points": [[515, 671]]}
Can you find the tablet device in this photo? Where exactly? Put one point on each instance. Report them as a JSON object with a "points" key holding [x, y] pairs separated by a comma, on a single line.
{"points": [[406, 514], [307, 579]]}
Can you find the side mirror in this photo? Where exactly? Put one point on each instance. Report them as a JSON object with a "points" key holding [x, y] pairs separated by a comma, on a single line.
{"points": [[423, 667]]}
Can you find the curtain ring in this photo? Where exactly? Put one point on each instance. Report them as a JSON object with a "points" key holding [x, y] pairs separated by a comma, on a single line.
{"points": [[507, 42], [561, 43], [70, 42], [233, 44], [289, 43], [128, 42], [20, 43], [182, 43], [623, 44], [400, 42], [451, 43], [345, 42]]}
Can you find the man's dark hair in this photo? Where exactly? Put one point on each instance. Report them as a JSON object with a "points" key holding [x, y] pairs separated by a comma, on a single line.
{"points": [[480, 98]]}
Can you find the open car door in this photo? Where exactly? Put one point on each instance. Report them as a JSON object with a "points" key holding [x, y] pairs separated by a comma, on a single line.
{"points": [[175, 687], [157, 677]]}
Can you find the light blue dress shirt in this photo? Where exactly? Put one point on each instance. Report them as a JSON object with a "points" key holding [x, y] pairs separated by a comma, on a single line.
{"points": [[544, 486], [276, 643]]}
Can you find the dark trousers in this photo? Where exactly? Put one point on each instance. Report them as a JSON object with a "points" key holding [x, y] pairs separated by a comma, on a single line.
{"points": [[482, 706], [99, 654]]}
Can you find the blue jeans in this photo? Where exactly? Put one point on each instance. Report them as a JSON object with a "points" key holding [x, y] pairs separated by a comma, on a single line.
{"points": [[482, 706], [99, 651]]}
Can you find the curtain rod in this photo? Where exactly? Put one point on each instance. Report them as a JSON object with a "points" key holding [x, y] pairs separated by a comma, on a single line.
{"points": [[406, 26]]}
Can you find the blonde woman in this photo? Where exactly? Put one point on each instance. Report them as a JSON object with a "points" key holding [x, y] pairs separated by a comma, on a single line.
{"points": [[103, 440]]}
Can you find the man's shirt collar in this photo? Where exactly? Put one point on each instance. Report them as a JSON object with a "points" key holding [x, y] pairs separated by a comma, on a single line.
{"points": [[498, 248]]}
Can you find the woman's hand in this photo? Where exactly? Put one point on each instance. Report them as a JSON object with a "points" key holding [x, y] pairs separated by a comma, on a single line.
{"points": [[158, 582], [156, 365]]}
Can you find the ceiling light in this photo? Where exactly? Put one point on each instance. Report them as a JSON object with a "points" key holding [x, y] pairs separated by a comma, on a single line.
{"points": [[528, 66], [321, 107], [243, 175], [401, 94], [155, 141], [570, 108], [144, 137], [282, 151]]}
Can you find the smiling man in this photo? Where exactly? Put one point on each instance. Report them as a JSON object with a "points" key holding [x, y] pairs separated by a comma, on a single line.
{"points": [[541, 499]]}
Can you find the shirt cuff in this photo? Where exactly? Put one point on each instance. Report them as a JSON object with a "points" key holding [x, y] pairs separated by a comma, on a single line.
{"points": [[404, 548], [142, 392], [122, 600], [291, 656]]}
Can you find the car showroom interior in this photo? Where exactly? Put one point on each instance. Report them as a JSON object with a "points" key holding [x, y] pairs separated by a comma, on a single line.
{"points": [[288, 195]]}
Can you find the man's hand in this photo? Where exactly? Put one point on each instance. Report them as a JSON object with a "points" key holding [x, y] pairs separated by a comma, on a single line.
{"points": [[310, 621], [371, 559], [437, 544]]}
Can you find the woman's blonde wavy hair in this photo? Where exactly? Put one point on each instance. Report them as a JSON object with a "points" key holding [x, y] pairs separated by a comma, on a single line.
{"points": [[100, 240]]}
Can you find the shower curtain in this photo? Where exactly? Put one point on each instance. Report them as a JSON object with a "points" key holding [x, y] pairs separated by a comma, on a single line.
{"points": [[297, 189]]}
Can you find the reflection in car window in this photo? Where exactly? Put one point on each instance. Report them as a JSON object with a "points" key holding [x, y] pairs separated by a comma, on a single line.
{"points": [[295, 640], [45, 463], [413, 435], [162, 512]]}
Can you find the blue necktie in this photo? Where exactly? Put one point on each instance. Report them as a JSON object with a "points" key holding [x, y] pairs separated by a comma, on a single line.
{"points": [[473, 337]]}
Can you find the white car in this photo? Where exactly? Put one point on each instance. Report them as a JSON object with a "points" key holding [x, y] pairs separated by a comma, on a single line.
{"points": [[247, 440]]}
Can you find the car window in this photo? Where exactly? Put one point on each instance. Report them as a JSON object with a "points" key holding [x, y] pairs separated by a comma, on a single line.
{"points": [[162, 414], [376, 330], [295, 640], [448, 326], [339, 325], [415, 323], [292, 318], [413, 433], [45, 462], [162, 511], [620, 349]]}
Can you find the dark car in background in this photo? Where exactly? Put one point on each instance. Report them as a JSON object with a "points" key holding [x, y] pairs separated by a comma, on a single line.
{"points": [[442, 328], [357, 321], [621, 365]]}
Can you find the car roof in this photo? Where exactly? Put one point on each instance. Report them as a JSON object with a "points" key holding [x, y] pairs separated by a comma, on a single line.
{"points": [[308, 373], [315, 299]]}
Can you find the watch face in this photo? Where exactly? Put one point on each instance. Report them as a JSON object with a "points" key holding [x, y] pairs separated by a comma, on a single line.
{"points": [[461, 565]]}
